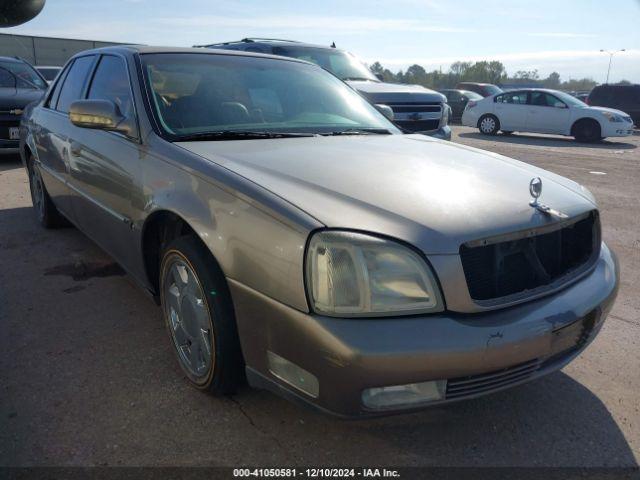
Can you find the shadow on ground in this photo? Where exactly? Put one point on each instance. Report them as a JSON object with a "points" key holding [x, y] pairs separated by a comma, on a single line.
{"points": [[549, 141], [89, 378], [9, 162]]}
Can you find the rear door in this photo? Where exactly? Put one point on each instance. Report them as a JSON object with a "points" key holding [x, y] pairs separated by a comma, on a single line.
{"points": [[457, 102], [53, 129], [106, 164], [511, 110], [546, 113]]}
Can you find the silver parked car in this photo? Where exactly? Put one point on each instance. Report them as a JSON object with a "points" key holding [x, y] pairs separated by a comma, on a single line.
{"points": [[292, 234]]}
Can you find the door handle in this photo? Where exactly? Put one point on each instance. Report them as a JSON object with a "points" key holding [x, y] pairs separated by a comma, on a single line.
{"points": [[75, 149]]}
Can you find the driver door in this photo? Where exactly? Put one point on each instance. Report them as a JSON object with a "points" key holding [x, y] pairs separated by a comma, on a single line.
{"points": [[547, 114], [105, 166]]}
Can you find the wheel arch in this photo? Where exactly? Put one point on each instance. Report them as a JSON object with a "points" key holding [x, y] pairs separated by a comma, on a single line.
{"points": [[584, 119], [26, 153], [159, 229]]}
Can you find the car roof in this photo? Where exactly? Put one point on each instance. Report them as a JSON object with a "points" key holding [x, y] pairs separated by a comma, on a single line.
{"points": [[608, 85], [13, 59], [268, 41], [144, 49]]}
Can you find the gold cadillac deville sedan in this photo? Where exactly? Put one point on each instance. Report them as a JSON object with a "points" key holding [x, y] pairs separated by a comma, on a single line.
{"points": [[295, 238]]}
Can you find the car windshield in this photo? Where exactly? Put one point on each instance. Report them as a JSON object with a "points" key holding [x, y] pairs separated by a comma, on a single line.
{"points": [[196, 94], [569, 99], [342, 64], [20, 75]]}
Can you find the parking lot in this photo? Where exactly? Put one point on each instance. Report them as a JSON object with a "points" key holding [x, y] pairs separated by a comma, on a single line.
{"points": [[89, 377]]}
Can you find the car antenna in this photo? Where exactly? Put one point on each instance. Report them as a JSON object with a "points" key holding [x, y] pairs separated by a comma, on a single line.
{"points": [[333, 45]]}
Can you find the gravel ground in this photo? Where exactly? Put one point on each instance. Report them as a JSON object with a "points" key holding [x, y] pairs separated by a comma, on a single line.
{"points": [[88, 376]]}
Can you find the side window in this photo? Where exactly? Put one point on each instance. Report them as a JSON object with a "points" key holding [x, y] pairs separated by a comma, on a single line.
{"points": [[73, 84], [53, 98], [542, 99], [518, 98], [111, 82]]}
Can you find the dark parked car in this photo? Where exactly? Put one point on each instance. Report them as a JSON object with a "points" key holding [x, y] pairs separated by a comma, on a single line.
{"points": [[20, 84], [49, 73], [484, 89], [457, 100], [620, 97], [415, 108]]}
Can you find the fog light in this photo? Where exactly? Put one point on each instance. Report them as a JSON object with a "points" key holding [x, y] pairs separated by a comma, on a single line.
{"points": [[293, 375], [404, 395]]}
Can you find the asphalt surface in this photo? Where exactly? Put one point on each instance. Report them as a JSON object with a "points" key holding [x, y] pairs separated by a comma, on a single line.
{"points": [[88, 376]]}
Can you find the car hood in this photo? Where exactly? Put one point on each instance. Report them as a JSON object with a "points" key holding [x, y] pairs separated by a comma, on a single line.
{"points": [[18, 97], [607, 109], [433, 194], [381, 92]]}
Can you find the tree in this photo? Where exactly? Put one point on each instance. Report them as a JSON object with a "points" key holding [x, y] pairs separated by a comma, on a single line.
{"points": [[552, 81], [381, 72], [416, 74], [459, 68], [485, 72]]}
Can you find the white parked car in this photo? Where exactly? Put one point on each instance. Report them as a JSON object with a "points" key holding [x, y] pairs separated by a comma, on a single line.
{"points": [[545, 111]]}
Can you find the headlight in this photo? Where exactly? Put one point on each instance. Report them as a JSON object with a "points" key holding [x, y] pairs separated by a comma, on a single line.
{"points": [[446, 111], [351, 274], [612, 117]]}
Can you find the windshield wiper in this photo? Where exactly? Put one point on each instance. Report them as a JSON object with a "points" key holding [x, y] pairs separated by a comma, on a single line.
{"points": [[356, 79], [359, 131], [240, 135]]}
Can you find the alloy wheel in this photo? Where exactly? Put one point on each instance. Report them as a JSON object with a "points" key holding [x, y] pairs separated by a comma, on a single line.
{"points": [[188, 318], [487, 125]]}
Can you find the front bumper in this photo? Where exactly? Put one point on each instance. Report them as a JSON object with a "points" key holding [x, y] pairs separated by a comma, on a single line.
{"points": [[617, 129], [350, 355]]}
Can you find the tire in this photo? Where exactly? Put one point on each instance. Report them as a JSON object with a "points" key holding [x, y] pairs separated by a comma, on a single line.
{"points": [[587, 131], [198, 312], [488, 124], [46, 212]]}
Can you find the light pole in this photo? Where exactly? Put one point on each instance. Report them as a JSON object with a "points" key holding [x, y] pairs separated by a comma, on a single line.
{"points": [[611, 54]]}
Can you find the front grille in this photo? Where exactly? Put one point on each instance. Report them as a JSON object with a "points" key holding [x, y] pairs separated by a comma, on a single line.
{"points": [[419, 125], [484, 383], [530, 263], [417, 117]]}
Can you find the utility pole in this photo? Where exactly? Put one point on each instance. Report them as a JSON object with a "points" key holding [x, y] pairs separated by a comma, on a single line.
{"points": [[611, 54]]}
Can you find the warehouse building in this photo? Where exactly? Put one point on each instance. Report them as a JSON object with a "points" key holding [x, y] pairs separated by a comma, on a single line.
{"points": [[45, 50]]}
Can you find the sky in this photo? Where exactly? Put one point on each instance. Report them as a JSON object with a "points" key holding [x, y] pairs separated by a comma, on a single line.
{"points": [[548, 35]]}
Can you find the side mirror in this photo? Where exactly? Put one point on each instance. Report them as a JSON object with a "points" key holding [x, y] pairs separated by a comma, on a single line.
{"points": [[559, 105], [379, 76], [385, 110], [100, 115]]}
